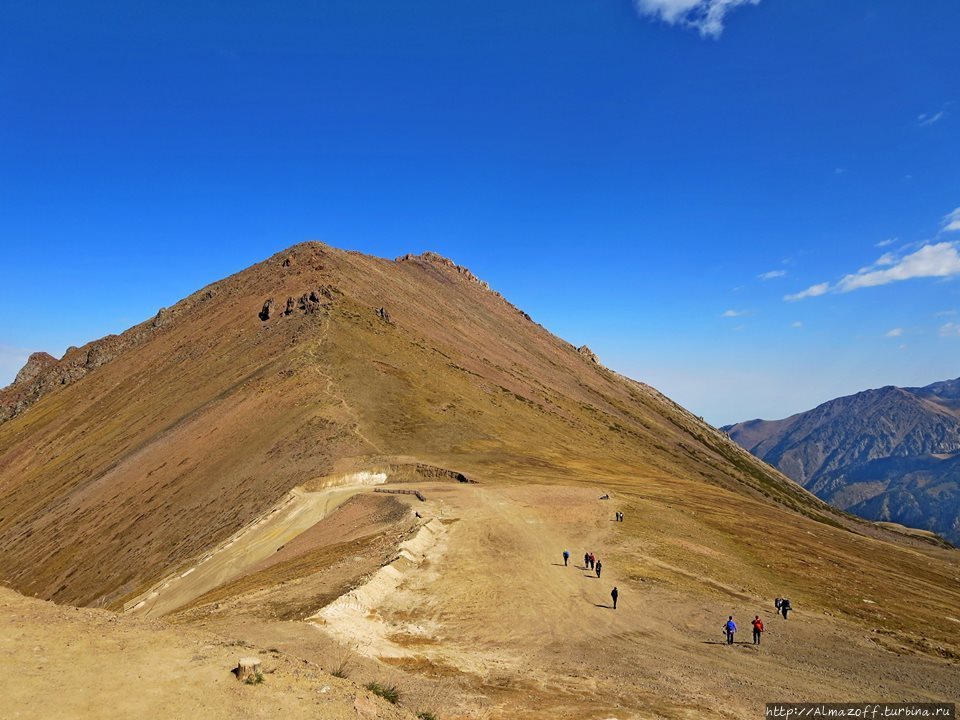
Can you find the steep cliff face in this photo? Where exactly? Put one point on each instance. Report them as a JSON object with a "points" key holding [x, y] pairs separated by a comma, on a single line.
{"points": [[888, 454]]}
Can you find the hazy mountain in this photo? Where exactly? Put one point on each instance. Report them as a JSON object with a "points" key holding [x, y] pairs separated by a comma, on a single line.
{"points": [[890, 454]]}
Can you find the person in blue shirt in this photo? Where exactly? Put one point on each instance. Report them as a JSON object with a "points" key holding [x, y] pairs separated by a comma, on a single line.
{"points": [[566, 557], [730, 627]]}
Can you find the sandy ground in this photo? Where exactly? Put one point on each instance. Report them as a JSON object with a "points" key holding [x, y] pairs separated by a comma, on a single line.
{"points": [[484, 615], [64, 663]]}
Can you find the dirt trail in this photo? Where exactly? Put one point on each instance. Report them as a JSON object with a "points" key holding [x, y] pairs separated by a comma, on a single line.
{"points": [[296, 513], [490, 603]]}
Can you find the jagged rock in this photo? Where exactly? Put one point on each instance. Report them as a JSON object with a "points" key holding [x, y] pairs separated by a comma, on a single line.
{"points": [[437, 259], [288, 310], [100, 352], [266, 310], [35, 366], [287, 261], [383, 314], [588, 354], [160, 317], [309, 302]]}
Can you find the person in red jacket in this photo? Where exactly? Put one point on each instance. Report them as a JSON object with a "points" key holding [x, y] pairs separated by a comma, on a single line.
{"points": [[757, 629]]}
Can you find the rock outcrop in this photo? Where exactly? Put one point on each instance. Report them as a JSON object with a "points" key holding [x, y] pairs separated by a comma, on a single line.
{"points": [[266, 310], [37, 364], [588, 354]]}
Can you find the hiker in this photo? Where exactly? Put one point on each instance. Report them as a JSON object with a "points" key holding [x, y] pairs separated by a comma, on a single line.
{"points": [[614, 594], [785, 607], [730, 627], [776, 604], [593, 561], [757, 629], [599, 565], [566, 557], [586, 560]]}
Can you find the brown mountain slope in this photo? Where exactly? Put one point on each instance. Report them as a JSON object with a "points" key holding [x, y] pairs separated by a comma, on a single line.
{"points": [[146, 449]]}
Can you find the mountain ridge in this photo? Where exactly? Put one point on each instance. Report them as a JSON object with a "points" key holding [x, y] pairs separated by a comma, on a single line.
{"points": [[874, 453], [284, 371]]}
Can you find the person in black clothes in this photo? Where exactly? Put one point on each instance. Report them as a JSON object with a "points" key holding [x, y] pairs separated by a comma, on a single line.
{"points": [[785, 607], [599, 565], [614, 594]]}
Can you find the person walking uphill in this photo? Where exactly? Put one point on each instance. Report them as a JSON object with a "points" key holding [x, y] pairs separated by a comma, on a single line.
{"points": [[599, 565], [785, 607], [757, 629], [730, 627], [566, 557], [614, 594]]}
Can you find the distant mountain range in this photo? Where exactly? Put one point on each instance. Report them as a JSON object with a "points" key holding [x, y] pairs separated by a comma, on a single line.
{"points": [[891, 454]]}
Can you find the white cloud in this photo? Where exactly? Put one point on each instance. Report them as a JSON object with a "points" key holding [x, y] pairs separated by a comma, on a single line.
{"points": [[886, 243], [734, 313], [946, 313], [797, 324], [771, 274], [927, 119], [896, 332], [707, 16], [937, 260], [812, 291], [940, 260], [950, 329], [951, 221]]}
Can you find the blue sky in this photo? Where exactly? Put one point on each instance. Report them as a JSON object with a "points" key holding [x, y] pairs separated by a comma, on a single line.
{"points": [[626, 172]]}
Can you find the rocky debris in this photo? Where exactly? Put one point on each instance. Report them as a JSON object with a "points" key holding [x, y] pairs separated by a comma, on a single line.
{"points": [[308, 303], [36, 365], [383, 314], [287, 261], [588, 354], [266, 310], [525, 316], [159, 318], [437, 259], [314, 300]]}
